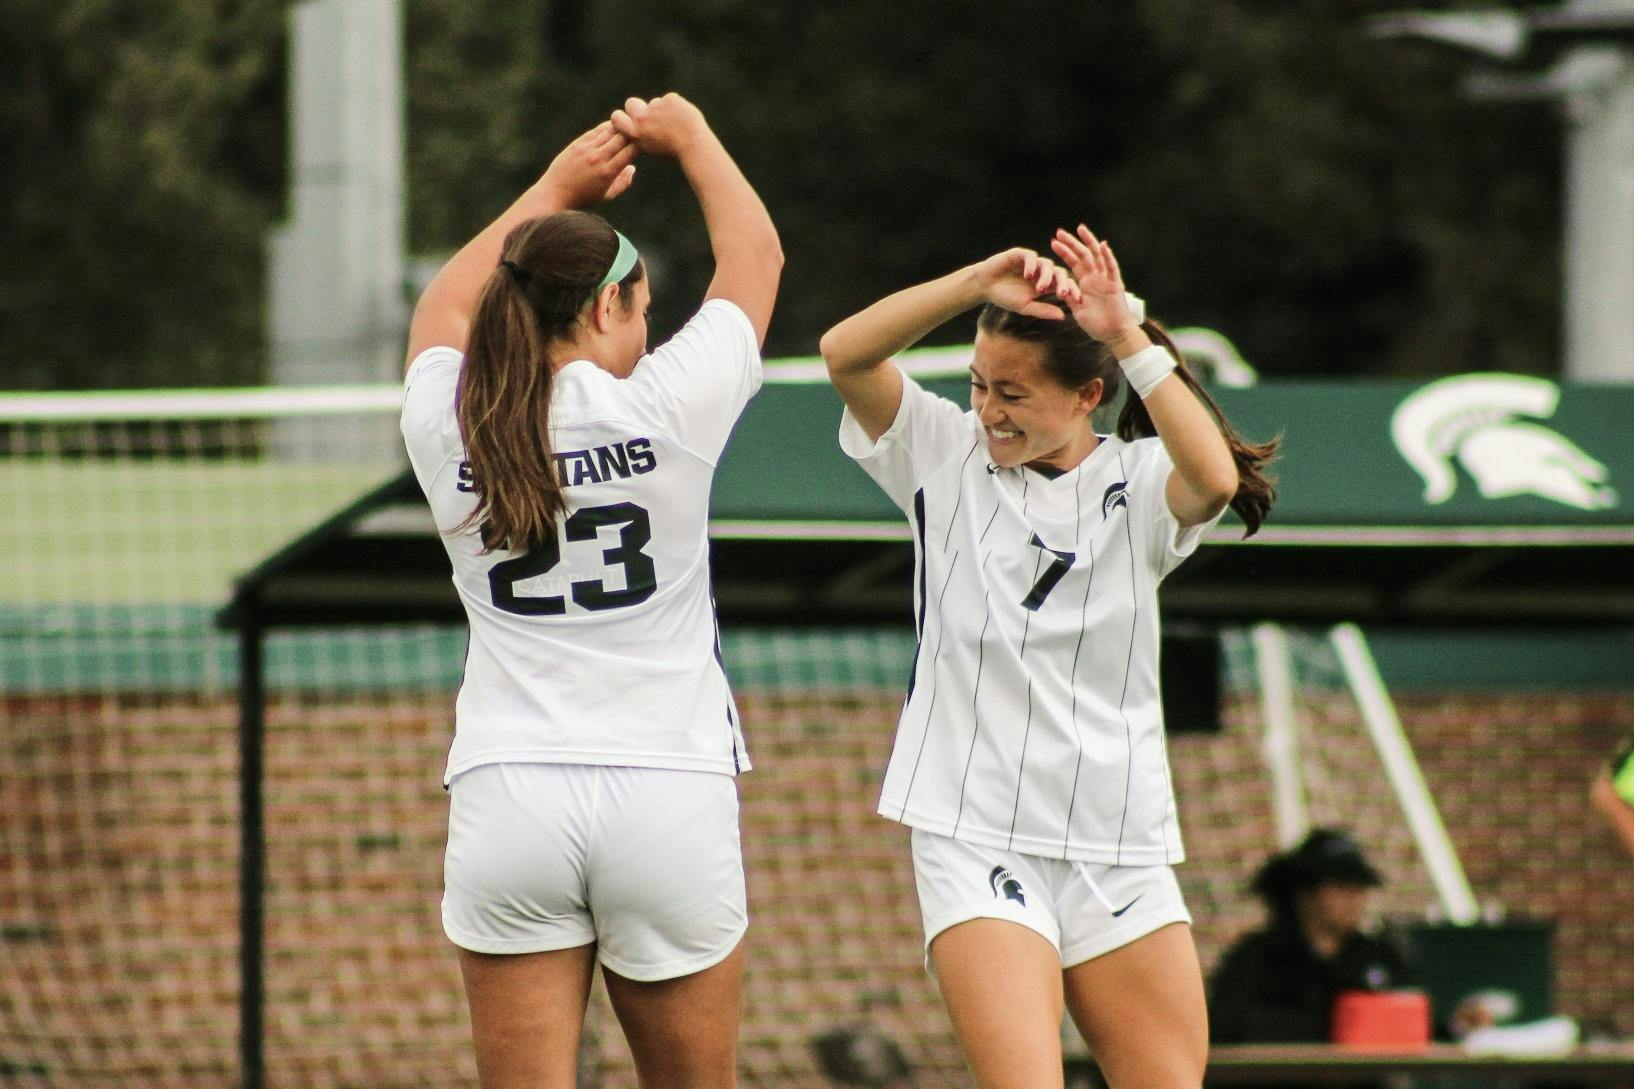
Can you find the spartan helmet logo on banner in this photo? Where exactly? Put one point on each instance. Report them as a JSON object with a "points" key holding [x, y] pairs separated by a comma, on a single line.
{"points": [[1472, 419]]}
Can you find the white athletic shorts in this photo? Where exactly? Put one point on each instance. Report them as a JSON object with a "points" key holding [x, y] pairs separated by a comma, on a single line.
{"points": [[645, 862], [1082, 908]]}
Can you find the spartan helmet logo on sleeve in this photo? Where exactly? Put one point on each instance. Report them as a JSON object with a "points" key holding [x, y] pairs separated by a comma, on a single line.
{"points": [[1471, 419]]}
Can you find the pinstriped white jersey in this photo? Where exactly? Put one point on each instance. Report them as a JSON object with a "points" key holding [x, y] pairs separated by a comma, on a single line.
{"points": [[1032, 722], [599, 646]]}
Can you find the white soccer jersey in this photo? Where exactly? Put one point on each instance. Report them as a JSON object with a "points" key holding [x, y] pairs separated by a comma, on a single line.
{"points": [[600, 646], [1032, 722]]}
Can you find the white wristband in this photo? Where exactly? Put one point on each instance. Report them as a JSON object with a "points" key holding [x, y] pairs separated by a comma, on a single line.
{"points": [[1146, 368], [1137, 306]]}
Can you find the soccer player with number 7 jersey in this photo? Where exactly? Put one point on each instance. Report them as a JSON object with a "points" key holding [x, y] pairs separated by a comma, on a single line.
{"points": [[594, 809], [1030, 759]]}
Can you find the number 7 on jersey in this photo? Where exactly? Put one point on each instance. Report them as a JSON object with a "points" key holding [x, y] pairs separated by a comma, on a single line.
{"points": [[1051, 575]]}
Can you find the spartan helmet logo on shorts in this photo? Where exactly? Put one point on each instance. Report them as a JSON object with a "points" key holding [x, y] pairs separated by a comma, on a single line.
{"points": [[1471, 418], [1004, 884], [1116, 495]]}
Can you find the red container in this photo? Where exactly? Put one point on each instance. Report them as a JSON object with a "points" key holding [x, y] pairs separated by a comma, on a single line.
{"points": [[1382, 1020]]}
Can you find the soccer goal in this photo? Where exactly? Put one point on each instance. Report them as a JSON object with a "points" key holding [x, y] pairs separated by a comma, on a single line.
{"points": [[1317, 780], [1308, 737]]}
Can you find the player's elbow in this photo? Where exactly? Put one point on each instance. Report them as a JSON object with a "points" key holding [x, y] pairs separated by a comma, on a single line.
{"points": [[836, 352], [1222, 490], [759, 254], [827, 346], [771, 262], [771, 257], [1216, 486]]}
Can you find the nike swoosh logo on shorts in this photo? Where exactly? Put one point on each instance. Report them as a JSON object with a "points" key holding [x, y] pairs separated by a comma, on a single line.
{"points": [[1127, 906]]}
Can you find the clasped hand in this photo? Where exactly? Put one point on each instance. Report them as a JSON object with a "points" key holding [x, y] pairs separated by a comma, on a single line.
{"points": [[1090, 284], [600, 164]]}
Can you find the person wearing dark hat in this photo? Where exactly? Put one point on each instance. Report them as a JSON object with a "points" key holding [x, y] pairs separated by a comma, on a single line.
{"points": [[1278, 984]]}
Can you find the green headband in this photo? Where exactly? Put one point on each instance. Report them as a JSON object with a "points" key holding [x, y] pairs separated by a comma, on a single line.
{"points": [[623, 261]]}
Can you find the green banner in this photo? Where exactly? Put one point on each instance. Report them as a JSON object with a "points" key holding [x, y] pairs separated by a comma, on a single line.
{"points": [[1483, 451]]}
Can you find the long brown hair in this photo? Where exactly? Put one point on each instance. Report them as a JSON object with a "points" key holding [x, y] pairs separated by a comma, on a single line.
{"points": [[1075, 359], [549, 268]]}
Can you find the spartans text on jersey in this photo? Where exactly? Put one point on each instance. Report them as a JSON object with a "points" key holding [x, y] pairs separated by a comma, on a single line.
{"points": [[600, 463]]}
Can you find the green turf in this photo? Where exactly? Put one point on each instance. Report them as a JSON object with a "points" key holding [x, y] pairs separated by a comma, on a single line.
{"points": [[133, 532]]}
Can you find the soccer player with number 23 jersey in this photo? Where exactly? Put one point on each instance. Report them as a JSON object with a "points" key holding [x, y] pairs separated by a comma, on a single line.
{"points": [[593, 804]]}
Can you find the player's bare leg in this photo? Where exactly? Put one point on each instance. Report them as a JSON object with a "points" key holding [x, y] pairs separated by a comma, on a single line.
{"points": [[1142, 1012], [1002, 986], [527, 1014], [683, 1032]]}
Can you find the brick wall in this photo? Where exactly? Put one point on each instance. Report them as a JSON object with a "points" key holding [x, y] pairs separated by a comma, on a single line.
{"points": [[118, 842]]}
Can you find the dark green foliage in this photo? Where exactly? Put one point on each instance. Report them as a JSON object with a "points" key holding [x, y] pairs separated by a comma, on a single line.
{"points": [[143, 166], [1328, 201]]}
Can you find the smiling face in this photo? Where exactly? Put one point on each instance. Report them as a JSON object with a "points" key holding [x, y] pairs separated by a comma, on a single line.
{"points": [[1026, 414]]}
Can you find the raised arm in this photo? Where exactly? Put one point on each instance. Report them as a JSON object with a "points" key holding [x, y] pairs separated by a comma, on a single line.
{"points": [[858, 350], [1205, 475], [748, 255], [597, 166]]}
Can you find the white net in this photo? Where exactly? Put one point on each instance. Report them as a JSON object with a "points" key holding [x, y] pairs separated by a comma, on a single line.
{"points": [[128, 517], [119, 824], [118, 785]]}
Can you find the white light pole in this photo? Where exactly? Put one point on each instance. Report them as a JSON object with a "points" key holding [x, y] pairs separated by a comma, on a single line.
{"points": [[336, 306], [1594, 82], [1600, 215]]}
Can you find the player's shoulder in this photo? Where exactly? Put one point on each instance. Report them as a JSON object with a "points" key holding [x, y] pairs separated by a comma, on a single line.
{"points": [[440, 361], [1141, 456], [962, 439], [718, 328], [1139, 449], [582, 388], [955, 423], [429, 389], [725, 310], [595, 415]]}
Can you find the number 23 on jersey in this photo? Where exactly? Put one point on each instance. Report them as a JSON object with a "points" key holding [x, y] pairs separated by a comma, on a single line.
{"points": [[640, 576]]}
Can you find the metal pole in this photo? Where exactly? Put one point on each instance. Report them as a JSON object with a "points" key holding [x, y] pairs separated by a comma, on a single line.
{"points": [[1595, 84], [1280, 745], [252, 848], [336, 308], [1599, 234], [1379, 715]]}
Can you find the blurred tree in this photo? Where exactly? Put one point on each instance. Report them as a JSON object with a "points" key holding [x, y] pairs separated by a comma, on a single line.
{"points": [[1331, 202], [143, 168], [1327, 201]]}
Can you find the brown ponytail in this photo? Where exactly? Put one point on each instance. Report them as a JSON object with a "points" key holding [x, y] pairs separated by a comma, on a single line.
{"points": [[1256, 491], [549, 269], [1075, 360]]}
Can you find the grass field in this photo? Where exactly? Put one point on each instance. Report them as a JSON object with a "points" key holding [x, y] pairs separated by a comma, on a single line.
{"points": [[151, 532]]}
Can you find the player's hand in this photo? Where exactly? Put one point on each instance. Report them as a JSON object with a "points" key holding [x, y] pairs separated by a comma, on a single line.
{"points": [[666, 126], [1101, 308], [1018, 278], [595, 167]]}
